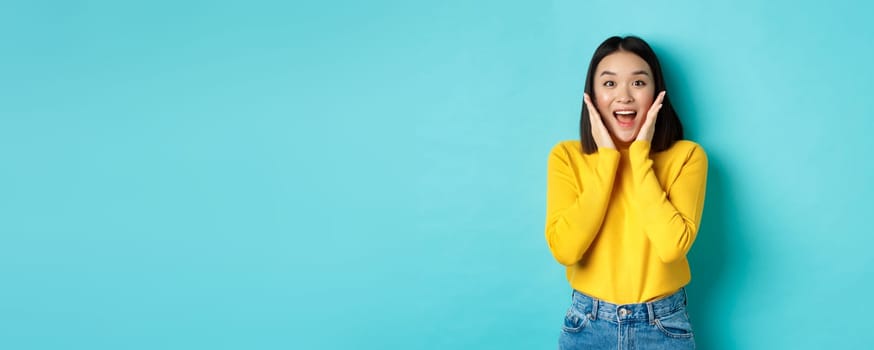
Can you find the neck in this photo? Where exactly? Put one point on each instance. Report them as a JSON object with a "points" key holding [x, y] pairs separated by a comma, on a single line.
{"points": [[620, 145]]}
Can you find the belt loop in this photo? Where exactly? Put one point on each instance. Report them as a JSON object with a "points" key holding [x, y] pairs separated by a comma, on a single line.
{"points": [[595, 303], [650, 313], [685, 297]]}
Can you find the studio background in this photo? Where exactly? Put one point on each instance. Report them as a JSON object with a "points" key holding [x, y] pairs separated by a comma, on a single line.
{"points": [[371, 175]]}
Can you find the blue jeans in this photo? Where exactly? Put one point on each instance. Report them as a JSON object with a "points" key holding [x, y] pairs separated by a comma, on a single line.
{"points": [[595, 324]]}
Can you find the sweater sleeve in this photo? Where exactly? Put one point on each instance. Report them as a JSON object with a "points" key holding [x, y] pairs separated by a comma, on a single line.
{"points": [[574, 213], [670, 219]]}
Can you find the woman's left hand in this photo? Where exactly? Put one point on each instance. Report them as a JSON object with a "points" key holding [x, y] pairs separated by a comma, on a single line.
{"points": [[648, 127]]}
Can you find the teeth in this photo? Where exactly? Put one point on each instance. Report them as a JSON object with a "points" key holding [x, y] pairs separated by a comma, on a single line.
{"points": [[626, 112]]}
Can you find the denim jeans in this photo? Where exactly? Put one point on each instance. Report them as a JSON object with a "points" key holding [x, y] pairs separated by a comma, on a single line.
{"points": [[595, 324]]}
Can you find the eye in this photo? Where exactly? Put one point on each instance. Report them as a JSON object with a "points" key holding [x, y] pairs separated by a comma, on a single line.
{"points": [[609, 83], [639, 83]]}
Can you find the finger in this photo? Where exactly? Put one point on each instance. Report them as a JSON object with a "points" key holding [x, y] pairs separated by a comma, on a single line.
{"points": [[661, 97], [651, 117], [593, 112], [657, 104], [654, 112], [589, 105], [594, 117]]}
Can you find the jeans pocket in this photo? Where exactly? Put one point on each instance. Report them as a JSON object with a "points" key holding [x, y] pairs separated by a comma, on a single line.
{"points": [[574, 321], [675, 325]]}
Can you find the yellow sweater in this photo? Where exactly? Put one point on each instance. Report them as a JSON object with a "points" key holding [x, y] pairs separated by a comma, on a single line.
{"points": [[622, 221]]}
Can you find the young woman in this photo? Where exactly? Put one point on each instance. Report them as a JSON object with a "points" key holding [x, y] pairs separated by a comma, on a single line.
{"points": [[623, 207]]}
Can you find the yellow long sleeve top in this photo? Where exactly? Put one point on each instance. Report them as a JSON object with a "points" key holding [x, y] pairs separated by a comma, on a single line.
{"points": [[622, 221]]}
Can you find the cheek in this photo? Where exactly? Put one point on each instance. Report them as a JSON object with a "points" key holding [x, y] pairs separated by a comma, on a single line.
{"points": [[645, 97], [602, 100]]}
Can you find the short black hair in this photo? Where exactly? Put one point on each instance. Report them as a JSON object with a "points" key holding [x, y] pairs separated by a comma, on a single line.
{"points": [[668, 128]]}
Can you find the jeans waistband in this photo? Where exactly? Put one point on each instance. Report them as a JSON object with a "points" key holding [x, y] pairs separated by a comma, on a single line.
{"points": [[650, 311]]}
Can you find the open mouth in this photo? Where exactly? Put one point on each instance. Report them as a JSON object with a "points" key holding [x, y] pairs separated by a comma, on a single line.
{"points": [[625, 117]]}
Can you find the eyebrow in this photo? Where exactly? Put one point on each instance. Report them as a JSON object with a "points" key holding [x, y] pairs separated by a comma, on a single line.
{"points": [[640, 72]]}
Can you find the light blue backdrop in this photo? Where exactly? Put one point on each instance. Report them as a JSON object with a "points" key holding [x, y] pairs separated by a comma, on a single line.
{"points": [[371, 175]]}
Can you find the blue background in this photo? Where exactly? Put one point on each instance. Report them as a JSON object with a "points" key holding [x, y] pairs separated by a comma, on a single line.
{"points": [[371, 175]]}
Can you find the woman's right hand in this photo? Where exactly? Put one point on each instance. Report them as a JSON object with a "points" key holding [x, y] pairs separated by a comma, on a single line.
{"points": [[599, 131]]}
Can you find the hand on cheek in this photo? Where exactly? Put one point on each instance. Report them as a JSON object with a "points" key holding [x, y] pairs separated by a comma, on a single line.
{"points": [[599, 131], [648, 128]]}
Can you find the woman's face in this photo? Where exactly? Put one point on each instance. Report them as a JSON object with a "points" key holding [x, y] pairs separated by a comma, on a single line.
{"points": [[624, 91]]}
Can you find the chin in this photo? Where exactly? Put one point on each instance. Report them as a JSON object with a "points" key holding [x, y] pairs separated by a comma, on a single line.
{"points": [[626, 138]]}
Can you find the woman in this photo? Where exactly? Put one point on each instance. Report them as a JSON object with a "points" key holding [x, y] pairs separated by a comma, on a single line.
{"points": [[623, 207]]}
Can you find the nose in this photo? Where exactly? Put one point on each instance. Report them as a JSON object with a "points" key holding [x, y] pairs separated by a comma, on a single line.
{"points": [[624, 96]]}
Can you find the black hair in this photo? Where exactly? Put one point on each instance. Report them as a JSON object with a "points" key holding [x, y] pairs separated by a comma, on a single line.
{"points": [[668, 128]]}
